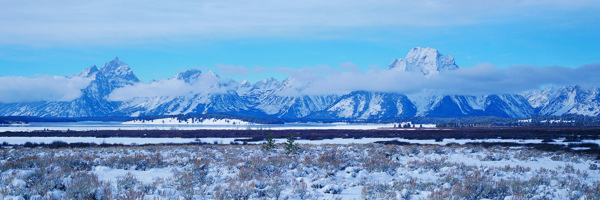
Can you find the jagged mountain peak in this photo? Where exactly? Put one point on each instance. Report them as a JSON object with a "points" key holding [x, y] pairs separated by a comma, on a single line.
{"points": [[419, 52], [88, 72], [189, 76], [116, 69], [114, 63], [264, 83], [427, 61]]}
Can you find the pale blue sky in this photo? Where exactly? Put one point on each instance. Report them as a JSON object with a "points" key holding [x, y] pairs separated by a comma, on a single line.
{"points": [[259, 38]]}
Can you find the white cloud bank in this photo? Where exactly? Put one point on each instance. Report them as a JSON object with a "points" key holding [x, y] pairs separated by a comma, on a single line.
{"points": [[323, 80], [205, 83], [116, 21], [44, 88], [320, 80], [481, 79]]}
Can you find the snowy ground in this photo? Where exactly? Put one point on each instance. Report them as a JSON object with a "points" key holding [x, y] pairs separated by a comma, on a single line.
{"points": [[170, 124], [216, 140], [114, 140], [348, 171]]}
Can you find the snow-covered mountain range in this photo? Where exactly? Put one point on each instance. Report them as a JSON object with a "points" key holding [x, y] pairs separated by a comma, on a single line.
{"points": [[208, 93]]}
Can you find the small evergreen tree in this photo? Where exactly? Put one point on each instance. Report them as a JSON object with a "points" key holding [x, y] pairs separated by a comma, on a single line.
{"points": [[290, 146], [270, 145]]}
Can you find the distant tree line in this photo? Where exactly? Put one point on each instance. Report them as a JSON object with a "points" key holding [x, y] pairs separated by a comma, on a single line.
{"points": [[12, 121], [567, 120], [218, 116]]}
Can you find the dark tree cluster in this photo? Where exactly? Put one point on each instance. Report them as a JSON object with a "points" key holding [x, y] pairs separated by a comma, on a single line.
{"points": [[218, 116], [567, 120], [9, 121]]}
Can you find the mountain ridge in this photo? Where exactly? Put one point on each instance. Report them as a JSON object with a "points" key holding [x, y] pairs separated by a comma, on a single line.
{"points": [[285, 99]]}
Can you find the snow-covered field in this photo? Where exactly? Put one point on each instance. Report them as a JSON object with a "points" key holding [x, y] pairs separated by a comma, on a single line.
{"points": [[174, 124], [114, 140], [349, 171], [217, 140]]}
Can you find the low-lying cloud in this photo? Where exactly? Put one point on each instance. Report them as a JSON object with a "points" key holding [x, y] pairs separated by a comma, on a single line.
{"points": [[321, 80], [477, 80], [482, 79], [205, 83], [15, 89]]}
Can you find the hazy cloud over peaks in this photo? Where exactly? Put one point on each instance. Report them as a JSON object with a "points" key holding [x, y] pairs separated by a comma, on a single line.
{"points": [[478, 80], [43, 88], [207, 82]]}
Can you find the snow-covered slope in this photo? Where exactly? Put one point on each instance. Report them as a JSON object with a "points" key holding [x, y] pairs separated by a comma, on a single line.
{"points": [[372, 105], [449, 105], [502, 105], [565, 100], [508, 105], [215, 96], [253, 92], [200, 103], [287, 100], [427, 61], [280, 103], [294, 107], [539, 98]]}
